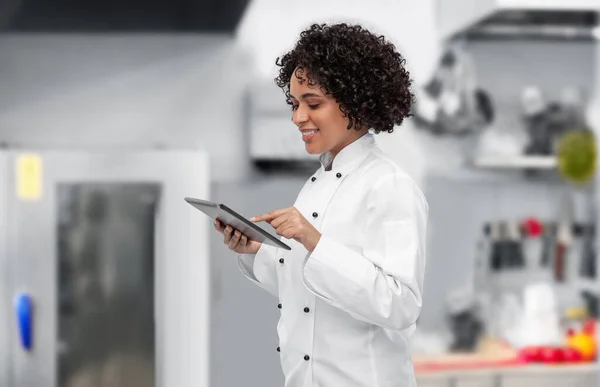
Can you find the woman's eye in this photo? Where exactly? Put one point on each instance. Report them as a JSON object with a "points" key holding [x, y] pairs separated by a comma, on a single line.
{"points": [[313, 107], [294, 107]]}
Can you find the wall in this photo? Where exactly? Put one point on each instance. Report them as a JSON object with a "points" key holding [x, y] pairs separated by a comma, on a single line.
{"points": [[453, 16], [184, 91], [411, 26]]}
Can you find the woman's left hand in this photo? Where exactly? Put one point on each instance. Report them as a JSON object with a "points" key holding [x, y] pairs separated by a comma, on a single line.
{"points": [[289, 223]]}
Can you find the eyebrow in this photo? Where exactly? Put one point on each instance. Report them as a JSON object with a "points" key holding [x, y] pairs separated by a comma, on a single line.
{"points": [[307, 95]]}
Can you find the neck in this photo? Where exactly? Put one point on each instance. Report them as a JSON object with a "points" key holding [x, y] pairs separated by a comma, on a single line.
{"points": [[356, 136]]}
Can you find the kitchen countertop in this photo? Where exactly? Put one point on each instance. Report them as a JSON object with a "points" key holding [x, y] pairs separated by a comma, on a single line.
{"points": [[486, 373]]}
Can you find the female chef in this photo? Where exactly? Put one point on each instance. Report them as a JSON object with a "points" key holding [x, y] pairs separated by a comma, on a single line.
{"points": [[350, 290]]}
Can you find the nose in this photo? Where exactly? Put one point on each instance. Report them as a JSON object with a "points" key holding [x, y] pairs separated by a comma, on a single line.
{"points": [[300, 116]]}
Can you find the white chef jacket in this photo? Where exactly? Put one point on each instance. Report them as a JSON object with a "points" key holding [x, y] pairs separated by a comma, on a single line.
{"points": [[349, 307]]}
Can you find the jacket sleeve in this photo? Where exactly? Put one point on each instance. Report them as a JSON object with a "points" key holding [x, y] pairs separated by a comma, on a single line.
{"points": [[383, 283], [260, 268]]}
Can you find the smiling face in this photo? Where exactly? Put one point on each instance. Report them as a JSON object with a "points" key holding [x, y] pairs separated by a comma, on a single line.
{"points": [[319, 118]]}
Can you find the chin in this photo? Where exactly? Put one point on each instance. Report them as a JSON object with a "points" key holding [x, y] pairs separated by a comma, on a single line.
{"points": [[312, 149]]}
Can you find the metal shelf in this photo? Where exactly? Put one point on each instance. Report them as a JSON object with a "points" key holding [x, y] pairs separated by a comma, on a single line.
{"points": [[515, 162]]}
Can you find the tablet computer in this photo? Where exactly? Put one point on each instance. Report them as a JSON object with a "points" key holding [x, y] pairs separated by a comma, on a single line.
{"points": [[229, 217]]}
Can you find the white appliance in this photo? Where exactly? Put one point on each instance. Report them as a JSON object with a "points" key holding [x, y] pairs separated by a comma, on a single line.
{"points": [[104, 269]]}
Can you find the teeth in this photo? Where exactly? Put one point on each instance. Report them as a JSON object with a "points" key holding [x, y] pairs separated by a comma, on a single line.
{"points": [[309, 132]]}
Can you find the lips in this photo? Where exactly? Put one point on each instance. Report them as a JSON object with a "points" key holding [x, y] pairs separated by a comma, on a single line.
{"points": [[308, 134]]}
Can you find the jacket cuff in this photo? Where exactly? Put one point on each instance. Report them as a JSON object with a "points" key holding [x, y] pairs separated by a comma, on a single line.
{"points": [[334, 269], [250, 264]]}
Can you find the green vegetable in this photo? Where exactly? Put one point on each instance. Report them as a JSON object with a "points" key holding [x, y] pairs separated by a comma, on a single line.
{"points": [[577, 154]]}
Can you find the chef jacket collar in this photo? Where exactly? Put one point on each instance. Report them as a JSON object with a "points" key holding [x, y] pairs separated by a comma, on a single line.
{"points": [[351, 155]]}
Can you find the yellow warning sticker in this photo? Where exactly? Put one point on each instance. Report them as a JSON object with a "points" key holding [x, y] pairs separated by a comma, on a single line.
{"points": [[29, 177]]}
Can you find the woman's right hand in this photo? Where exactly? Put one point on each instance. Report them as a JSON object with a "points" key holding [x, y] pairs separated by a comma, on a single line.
{"points": [[236, 241]]}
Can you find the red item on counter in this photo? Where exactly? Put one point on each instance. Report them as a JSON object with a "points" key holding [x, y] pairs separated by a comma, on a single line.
{"points": [[533, 227], [530, 354], [552, 355], [571, 355], [549, 355]]}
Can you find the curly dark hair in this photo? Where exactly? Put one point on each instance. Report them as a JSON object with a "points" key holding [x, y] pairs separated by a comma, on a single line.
{"points": [[362, 71]]}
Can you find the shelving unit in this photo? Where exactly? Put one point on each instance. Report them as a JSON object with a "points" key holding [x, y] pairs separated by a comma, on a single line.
{"points": [[496, 32], [516, 162]]}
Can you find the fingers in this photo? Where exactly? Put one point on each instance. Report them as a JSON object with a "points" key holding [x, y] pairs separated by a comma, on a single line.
{"points": [[227, 234], [235, 239], [232, 238], [262, 218], [278, 221], [268, 217], [286, 230], [218, 226]]}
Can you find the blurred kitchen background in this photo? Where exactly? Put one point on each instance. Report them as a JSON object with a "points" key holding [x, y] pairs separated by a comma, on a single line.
{"points": [[112, 111]]}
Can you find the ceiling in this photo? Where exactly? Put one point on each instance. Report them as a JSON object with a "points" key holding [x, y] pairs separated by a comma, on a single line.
{"points": [[206, 16]]}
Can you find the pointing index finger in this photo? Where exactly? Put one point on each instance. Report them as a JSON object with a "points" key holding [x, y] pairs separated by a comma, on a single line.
{"points": [[266, 217], [260, 218]]}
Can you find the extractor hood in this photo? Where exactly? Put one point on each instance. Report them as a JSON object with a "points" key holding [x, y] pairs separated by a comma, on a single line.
{"points": [[274, 140], [550, 19]]}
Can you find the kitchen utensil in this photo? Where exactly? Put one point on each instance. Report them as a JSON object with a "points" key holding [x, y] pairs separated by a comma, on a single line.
{"points": [[495, 246], [564, 236], [514, 247], [451, 103], [533, 230], [587, 267], [548, 243]]}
